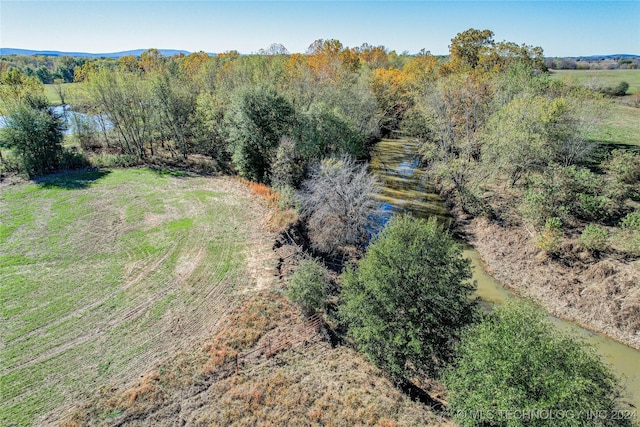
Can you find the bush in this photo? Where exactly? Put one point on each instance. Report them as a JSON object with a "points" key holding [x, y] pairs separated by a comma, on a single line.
{"points": [[35, 134], [288, 198], [338, 204], [72, 159], [550, 237], [288, 166], [308, 286], [516, 361], [594, 238], [114, 160], [630, 233], [631, 221], [623, 173], [409, 297]]}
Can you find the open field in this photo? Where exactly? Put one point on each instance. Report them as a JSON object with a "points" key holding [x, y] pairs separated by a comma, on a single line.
{"points": [[69, 92], [602, 77], [620, 126], [105, 273]]}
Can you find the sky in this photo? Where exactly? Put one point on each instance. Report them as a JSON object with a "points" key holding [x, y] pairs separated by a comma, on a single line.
{"points": [[561, 28]]}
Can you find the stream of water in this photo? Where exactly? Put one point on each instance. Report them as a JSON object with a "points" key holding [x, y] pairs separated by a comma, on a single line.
{"points": [[405, 188]]}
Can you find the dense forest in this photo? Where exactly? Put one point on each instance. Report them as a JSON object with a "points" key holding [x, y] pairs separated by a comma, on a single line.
{"points": [[500, 138]]}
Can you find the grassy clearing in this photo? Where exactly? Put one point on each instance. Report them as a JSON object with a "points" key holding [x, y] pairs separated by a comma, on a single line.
{"points": [[601, 77], [103, 274], [70, 93], [621, 126]]}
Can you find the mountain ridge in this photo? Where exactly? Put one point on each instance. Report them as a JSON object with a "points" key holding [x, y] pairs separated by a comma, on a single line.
{"points": [[4, 51], [134, 52]]}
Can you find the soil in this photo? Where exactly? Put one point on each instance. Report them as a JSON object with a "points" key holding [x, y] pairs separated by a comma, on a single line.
{"points": [[601, 294]]}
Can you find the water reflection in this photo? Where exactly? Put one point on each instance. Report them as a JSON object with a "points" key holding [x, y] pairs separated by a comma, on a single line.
{"points": [[74, 120]]}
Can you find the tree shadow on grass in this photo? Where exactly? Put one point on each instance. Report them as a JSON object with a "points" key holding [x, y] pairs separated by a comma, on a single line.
{"points": [[71, 180]]}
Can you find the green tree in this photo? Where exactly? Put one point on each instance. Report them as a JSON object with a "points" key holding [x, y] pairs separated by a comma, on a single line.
{"points": [[516, 362], [308, 286], [175, 98], [467, 46], [126, 99], [258, 118], [408, 299], [35, 133]]}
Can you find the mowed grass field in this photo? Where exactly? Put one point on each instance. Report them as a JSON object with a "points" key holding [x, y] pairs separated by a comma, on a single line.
{"points": [[601, 77], [105, 273]]}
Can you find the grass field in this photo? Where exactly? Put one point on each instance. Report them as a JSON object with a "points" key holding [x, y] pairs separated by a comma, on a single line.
{"points": [[68, 90], [620, 126], [602, 77], [105, 273]]}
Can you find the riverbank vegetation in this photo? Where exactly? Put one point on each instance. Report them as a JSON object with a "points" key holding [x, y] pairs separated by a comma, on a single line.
{"points": [[511, 149]]}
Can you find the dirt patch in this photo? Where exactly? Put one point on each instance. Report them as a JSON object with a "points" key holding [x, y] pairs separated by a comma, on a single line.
{"points": [[601, 295]]}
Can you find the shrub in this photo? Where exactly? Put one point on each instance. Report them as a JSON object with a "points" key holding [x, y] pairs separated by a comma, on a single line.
{"points": [[288, 166], [549, 238], [288, 198], [631, 221], [623, 173], [516, 361], [35, 134], [308, 286], [630, 233], [594, 238], [72, 159], [409, 297], [114, 160]]}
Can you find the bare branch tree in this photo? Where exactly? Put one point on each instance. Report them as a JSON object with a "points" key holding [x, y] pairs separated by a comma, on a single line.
{"points": [[338, 204]]}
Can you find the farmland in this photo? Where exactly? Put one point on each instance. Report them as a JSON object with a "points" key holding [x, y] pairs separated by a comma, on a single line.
{"points": [[104, 273], [601, 77]]}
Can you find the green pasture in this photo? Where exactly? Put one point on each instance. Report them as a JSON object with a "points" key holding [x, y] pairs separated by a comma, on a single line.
{"points": [[103, 273], [601, 77]]}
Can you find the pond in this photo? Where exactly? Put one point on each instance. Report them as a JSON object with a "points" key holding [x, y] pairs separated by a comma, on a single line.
{"points": [[72, 119], [405, 188]]}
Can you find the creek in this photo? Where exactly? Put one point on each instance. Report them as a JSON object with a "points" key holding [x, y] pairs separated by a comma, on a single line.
{"points": [[406, 188]]}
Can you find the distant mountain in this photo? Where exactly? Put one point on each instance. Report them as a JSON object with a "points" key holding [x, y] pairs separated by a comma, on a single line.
{"points": [[616, 57], [136, 52]]}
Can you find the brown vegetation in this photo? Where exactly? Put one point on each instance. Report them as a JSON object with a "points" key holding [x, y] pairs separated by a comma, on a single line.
{"points": [[600, 294], [306, 382]]}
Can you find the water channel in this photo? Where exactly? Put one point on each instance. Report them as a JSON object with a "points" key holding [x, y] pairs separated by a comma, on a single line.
{"points": [[405, 188]]}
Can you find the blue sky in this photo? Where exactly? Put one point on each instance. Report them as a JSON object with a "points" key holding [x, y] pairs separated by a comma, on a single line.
{"points": [[561, 28]]}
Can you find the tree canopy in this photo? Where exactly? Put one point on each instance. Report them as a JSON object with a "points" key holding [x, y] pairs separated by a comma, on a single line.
{"points": [[408, 299]]}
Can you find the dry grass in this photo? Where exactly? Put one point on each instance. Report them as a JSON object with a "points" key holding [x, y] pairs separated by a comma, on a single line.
{"points": [[308, 384], [279, 219]]}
